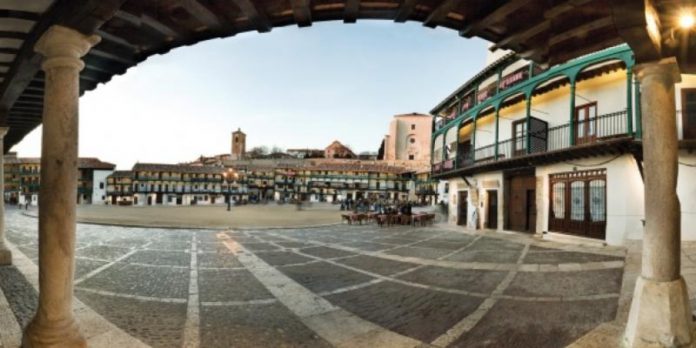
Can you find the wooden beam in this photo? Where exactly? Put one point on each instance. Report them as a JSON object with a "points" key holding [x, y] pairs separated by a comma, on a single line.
{"points": [[13, 35], [7, 50], [202, 13], [106, 36], [134, 19], [26, 15], [162, 28], [439, 13], [563, 7], [254, 15], [581, 30], [302, 12], [523, 35], [405, 10], [109, 50], [350, 12], [496, 15]]}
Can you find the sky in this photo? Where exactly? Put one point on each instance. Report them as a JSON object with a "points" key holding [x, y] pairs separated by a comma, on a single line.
{"points": [[292, 88]]}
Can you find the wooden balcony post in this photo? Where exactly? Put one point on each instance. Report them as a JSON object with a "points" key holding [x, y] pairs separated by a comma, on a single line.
{"points": [[497, 131], [571, 124], [473, 140], [629, 101], [528, 122], [638, 110]]}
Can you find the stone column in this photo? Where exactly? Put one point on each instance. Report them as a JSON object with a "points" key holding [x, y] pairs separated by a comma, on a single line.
{"points": [[54, 324], [660, 314], [5, 254]]}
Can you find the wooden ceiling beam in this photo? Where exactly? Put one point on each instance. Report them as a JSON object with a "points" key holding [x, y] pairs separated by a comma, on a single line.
{"points": [[562, 8], [255, 15], [522, 36], [202, 13], [13, 35], [26, 15], [110, 50], [162, 28], [8, 50], [440, 13], [581, 30], [134, 19], [496, 15], [116, 40], [350, 12], [302, 12], [405, 10]]}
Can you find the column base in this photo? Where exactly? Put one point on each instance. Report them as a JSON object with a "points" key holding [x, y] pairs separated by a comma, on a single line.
{"points": [[54, 335], [660, 315], [5, 256]]}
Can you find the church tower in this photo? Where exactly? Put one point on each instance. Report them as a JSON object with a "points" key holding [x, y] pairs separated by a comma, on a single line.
{"points": [[238, 145]]}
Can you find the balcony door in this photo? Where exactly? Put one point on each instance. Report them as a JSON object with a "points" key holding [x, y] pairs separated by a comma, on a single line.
{"points": [[586, 123], [519, 139], [689, 113]]}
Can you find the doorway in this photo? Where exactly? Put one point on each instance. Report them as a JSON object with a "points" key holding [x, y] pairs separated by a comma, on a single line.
{"points": [[689, 113], [586, 123], [579, 203], [520, 202], [492, 209], [463, 208]]}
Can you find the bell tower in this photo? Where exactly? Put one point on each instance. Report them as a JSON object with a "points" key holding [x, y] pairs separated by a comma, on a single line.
{"points": [[238, 145]]}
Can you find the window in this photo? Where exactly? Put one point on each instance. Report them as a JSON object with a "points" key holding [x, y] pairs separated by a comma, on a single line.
{"points": [[411, 157], [413, 127], [446, 187], [519, 132], [689, 113], [412, 140], [101, 185]]}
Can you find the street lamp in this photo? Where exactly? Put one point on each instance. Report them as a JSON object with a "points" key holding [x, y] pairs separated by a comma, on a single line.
{"points": [[686, 19], [230, 174]]}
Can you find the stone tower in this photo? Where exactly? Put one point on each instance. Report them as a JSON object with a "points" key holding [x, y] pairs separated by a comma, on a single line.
{"points": [[238, 145]]}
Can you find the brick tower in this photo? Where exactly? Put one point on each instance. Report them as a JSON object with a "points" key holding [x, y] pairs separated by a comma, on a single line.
{"points": [[238, 144]]}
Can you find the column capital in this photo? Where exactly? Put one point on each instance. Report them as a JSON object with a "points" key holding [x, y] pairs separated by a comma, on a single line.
{"points": [[667, 67], [63, 47]]}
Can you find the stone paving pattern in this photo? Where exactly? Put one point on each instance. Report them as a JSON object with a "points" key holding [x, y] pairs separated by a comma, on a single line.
{"points": [[487, 291]]}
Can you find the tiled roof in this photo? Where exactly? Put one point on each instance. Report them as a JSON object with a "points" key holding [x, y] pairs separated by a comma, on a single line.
{"points": [[122, 174], [83, 162], [94, 163], [358, 167], [177, 168]]}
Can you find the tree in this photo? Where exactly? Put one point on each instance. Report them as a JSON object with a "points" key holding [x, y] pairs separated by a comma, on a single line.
{"points": [[277, 149], [257, 152]]}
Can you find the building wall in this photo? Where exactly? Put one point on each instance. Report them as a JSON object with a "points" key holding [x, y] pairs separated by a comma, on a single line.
{"points": [[688, 81], [398, 145], [686, 189], [99, 185]]}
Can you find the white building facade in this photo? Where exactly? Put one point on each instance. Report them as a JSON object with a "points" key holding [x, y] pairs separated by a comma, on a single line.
{"points": [[556, 150]]}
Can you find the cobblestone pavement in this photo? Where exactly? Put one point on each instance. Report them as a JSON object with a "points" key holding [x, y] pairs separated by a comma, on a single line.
{"points": [[350, 286]]}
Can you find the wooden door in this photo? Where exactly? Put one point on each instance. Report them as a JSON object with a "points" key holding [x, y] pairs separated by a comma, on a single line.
{"points": [[492, 210], [463, 211], [586, 123], [522, 207], [579, 203], [689, 113]]}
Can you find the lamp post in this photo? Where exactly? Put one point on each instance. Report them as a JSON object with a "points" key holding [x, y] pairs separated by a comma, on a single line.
{"points": [[230, 174]]}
